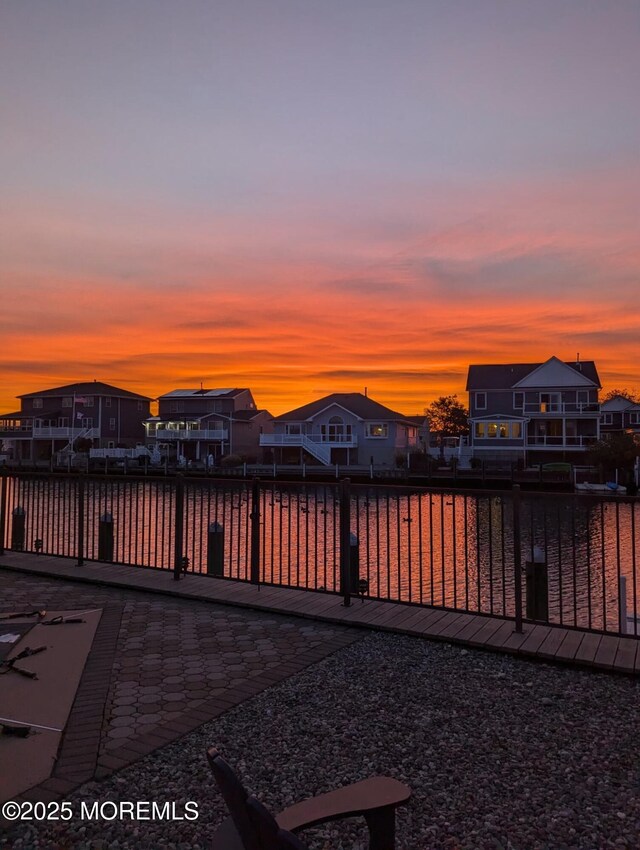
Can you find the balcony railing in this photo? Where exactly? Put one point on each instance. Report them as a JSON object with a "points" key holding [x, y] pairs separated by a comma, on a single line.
{"points": [[560, 442], [167, 434], [554, 407], [65, 433], [345, 440]]}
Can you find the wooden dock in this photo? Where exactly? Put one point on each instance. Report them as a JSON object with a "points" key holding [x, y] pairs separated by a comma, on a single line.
{"points": [[549, 643]]}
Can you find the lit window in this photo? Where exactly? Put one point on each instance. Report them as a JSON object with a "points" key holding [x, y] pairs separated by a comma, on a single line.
{"points": [[480, 430], [516, 430], [492, 429], [377, 429], [504, 430]]}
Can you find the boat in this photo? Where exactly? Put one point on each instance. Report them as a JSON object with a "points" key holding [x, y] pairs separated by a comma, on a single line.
{"points": [[609, 487]]}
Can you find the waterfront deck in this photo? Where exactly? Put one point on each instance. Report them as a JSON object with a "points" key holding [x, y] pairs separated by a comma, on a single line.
{"points": [[570, 646]]}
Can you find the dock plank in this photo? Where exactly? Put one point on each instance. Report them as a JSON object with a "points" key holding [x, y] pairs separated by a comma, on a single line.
{"points": [[588, 648]]}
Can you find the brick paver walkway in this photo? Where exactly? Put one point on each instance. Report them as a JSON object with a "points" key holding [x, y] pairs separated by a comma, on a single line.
{"points": [[160, 667]]}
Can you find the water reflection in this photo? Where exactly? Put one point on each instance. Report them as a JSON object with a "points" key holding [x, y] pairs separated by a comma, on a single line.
{"points": [[435, 548]]}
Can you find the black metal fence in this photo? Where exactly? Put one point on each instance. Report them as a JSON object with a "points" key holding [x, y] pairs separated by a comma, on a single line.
{"points": [[569, 560]]}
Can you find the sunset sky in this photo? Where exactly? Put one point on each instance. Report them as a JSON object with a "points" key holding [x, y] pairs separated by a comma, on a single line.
{"points": [[306, 197]]}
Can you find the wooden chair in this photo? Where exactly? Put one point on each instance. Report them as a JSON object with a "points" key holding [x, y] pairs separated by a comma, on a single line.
{"points": [[252, 827]]}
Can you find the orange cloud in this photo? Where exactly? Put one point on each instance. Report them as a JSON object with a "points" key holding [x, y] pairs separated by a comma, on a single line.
{"points": [[315, 299]]}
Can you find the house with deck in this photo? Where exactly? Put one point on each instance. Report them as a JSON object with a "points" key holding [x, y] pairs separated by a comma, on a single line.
{"points": [[54, 420], [349, 429], [207, 425], [534, 412], [620, 415]]}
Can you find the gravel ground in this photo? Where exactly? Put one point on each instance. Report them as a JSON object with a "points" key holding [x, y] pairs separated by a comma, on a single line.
{"points": [[500, 753]]}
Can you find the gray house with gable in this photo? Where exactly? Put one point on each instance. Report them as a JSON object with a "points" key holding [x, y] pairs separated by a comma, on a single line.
{"points": [[341, 428], [538, 412]]}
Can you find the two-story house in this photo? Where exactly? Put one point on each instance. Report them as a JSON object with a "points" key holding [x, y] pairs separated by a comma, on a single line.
{"points": [[619, 415], [538, 412], [208, 424], [341, 428], [52, 420]]}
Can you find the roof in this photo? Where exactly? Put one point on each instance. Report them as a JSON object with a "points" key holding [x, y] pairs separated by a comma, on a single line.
{"points": [[202, 393], [420, 419], [617, 403], [17, 415], [88, 388], [245, 415], [360, 405], [503, 376]]}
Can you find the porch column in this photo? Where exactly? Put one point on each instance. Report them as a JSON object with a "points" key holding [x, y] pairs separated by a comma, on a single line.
{"points": [[197, 449], [564, 432]]}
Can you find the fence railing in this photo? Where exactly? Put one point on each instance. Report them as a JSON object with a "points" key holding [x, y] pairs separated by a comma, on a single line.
{"points": [[569, 560]]}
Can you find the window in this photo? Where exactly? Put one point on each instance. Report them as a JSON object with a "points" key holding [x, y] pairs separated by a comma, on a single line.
{"points": [[550, 402], [63, 422], [518, 401], [294, 428], [583, 399], [516, 430], [503, 430], [67, 401], [111, 444], [88, 402], [37, 403], [634, 418], [112, 424], [176, 407], [607, 419], [377, 429], [107, 401], [481, 401], [140, 405], [87, 422], [480, 430], [492, 429]]}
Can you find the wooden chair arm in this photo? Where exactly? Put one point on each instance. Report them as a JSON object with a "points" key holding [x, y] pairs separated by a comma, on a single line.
{"points": [[361, 798]]}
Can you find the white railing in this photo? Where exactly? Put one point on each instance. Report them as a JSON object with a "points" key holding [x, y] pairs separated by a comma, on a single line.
{"points": [[551, 407], [189, 434], [560, 442], [140, 451], [66, 433], [344, 440]]}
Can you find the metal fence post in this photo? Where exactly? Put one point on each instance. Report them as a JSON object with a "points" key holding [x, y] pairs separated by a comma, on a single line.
{"points": [[179, 528], [80, 520], [255, 531], [345, 541], [105, 537], [3, 509], [517, 558]]}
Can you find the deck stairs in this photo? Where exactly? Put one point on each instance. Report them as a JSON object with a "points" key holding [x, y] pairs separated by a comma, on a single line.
{"points": [[465, 453], [317, 450]]}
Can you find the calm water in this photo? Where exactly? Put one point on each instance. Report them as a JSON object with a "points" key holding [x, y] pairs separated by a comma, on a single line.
{"points": [[444, 549]]}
